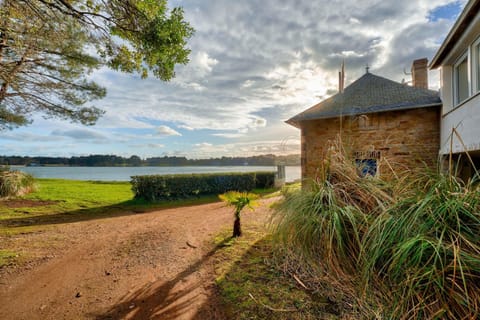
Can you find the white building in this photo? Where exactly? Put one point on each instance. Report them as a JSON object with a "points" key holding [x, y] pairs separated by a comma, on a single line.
{"points": [[459, 62]]}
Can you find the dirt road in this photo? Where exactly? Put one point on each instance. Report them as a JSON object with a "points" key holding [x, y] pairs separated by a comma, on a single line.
{"points": [[153, 265]]}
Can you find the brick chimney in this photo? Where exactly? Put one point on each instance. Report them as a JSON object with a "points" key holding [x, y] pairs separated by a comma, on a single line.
{"points": [[420, 73]]}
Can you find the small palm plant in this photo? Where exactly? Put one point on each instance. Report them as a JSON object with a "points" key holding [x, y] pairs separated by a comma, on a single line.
{"points": [[239, 200]]}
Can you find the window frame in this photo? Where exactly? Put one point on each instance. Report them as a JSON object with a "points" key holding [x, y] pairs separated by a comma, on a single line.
{"points": [[475, 48], [465, 56]]}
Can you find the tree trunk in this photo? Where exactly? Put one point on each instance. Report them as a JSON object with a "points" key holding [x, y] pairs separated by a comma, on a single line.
{"points": [[237, 230]]}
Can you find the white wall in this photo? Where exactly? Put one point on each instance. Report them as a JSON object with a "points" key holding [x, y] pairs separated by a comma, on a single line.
{"points": [[446, 91], [465, 116], [466, 120]]}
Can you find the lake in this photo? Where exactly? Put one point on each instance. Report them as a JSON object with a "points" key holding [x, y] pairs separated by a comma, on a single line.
{"points": [[124, 173]]}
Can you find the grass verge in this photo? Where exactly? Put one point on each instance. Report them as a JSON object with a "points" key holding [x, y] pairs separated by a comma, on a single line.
{"points": [[251, 286]]}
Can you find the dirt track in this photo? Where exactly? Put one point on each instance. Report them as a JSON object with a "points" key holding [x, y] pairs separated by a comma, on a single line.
{"points": [[153, 265]]}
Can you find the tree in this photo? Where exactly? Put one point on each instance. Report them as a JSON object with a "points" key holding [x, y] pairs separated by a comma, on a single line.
{"points": [[239, 200], [48, 49]]}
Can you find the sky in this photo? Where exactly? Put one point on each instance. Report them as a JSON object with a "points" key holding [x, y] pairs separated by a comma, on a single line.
{"points": [[253, 65]]}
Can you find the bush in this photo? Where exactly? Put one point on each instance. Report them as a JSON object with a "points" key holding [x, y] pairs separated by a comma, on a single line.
{"points": [[15, 183], [172, 187], [264, 180]]}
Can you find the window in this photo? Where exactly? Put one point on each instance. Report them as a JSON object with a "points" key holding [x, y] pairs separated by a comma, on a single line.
{"points": [[367, 163], [462, 88], [476, 63], [366, 167], [367, 122]]}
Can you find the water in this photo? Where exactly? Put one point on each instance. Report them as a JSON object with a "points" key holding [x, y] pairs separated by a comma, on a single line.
{"points": [[124, 173]]}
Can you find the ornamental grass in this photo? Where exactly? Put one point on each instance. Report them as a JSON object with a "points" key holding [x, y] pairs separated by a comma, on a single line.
{"points": [[406, 248], [15, 183]]}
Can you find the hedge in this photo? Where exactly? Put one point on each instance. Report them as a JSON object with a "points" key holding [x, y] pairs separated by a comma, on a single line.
{"points": [[181, 186], [264, 180]]}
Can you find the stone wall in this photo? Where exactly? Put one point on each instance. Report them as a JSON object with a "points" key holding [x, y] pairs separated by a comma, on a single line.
{"points": [[399, 139]]}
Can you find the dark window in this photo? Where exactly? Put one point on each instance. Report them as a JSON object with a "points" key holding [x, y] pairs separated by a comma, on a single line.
{"points": [[366, 167], [462, 90], [477, 61]]}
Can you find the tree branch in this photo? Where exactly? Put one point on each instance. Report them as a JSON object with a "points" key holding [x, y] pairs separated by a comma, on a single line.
{"points": [[6, 80]]}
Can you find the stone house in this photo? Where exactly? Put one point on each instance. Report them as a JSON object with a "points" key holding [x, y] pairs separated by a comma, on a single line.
{"points": [[458, 59], [384, 124]]}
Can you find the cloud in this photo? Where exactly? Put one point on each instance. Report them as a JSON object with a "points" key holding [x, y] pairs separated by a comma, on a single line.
{"points": [[248, 83], [29, 137], [259, 122], [255, 64], [203, 63], [182, 126], [203, 145], [228, 135], [156, 145], [79, 134], [247, 148], [193, 76], [284, 55], [167, 131]]}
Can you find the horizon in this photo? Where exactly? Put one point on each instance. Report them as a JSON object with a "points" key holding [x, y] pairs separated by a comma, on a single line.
{"points": [[146, 158], [253, 66]]}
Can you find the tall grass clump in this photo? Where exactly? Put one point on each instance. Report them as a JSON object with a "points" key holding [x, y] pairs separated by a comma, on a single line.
{"points": [[327, 220], [424, 252], [404, 248], [15, 183], [317, 225]]}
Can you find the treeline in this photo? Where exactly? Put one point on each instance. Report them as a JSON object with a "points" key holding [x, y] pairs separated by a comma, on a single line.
{"points": [[136, 161]]}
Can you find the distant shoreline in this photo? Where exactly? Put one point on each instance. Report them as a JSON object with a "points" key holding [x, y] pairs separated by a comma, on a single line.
{"points": [[124, 173], [146, 166], [135, 161]]}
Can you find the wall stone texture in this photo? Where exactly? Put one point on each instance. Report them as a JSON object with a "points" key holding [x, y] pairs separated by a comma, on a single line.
{"points": [[401, 140]]}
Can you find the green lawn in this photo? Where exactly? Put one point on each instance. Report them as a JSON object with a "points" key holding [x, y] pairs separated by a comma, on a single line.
{"points": [[73, 194], [61, 201]]}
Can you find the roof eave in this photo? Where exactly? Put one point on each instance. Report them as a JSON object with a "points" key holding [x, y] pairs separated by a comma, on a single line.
{"points": [[297, 122], [293, 123], [458, 28]]}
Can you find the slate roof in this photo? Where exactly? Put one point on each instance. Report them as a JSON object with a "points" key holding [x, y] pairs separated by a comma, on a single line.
{"points": [[369, 94]]}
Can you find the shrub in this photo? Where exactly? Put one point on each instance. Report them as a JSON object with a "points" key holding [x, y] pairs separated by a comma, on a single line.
{"points": [[171, 187], [264, 180], [15, 183]]}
